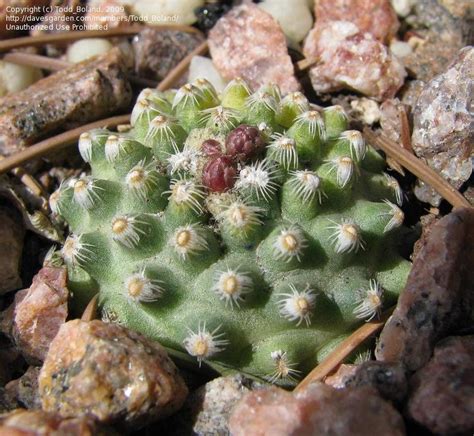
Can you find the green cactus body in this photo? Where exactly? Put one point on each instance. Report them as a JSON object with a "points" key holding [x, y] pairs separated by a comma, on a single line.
{"points": [[262, 276]]}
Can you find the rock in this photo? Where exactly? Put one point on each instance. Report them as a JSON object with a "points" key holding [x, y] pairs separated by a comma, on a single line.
{"points": [[442, 393], [319, 410], [374, 16], [87, 48], [338, 379], [294, 17], [22, 422], [111, 373], [388, 379], [351, 59], [390, 119], [212, 404], [402, 7], [39, 312], [157, 51], [159, 12], [14, 78], [24, 390], [438, 296], [73, 96], [12, 234], [247, 42], [459, 8], [365, 109], [443, 125], [411, 91], [203, 67], [431, 52], [209, 14]]}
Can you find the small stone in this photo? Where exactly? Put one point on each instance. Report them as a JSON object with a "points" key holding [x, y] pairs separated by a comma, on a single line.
{"points": [[22, 422], [39, 312], [366, 110], [12, 233], [25, 389], [212, 404], [443, 125], [158, 51], [388, 379], [390, 119], [294, 17], [247, 42], [438, 297], [411, 91], [374, 16], [203, 67], [87, 48], [348, 58], [111, 373], [338, 379], [442, 392], [159, 12], [400, 49], [402, 7], [319, 410]]}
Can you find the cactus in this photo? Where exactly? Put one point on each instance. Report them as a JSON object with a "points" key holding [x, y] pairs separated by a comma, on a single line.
{"points": [[245, 230]]}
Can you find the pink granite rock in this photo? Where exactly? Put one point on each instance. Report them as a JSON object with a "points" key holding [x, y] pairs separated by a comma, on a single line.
{"points": [[349, 58], [248, 42], [374, 16], [442, 392], [39, 312], [319, 410], [438, 297]]}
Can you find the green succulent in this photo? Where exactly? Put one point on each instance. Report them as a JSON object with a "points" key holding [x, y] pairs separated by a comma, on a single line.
{"points": [[245, 230]]}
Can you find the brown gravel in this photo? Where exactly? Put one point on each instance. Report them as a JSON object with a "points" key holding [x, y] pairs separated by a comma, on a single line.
{"points": [[111, 373], [438, 296], [442, 393]]}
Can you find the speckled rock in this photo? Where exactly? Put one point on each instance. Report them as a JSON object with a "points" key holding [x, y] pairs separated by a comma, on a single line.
{"points": [[390, 119], [22, 422], [212, 404], [411, 91], [366, 110], [157, 52], [111, 373], [442, 393], [39, 312], [247, 42], [438, 296], [351, 59], [374, 16], [443, 125], [12, 233], [24, 390], [319, 410], [388, 379]]}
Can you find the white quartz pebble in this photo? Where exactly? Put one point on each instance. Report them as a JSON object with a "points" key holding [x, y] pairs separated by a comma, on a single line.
{"points": [[14, 77], [294, 17], [203, 67], [87, 48]]}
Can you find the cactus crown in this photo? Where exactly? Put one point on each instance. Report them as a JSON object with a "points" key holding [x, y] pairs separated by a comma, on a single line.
{"points": [[245, 230]]}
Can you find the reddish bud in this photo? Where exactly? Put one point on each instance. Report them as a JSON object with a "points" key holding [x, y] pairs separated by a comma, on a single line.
{"points": [[244, 142], [211, 147], [219, 174]]}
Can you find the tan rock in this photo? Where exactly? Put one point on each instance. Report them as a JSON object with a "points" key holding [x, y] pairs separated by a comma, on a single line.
{"points": [[247, 42], [111, 373]]}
